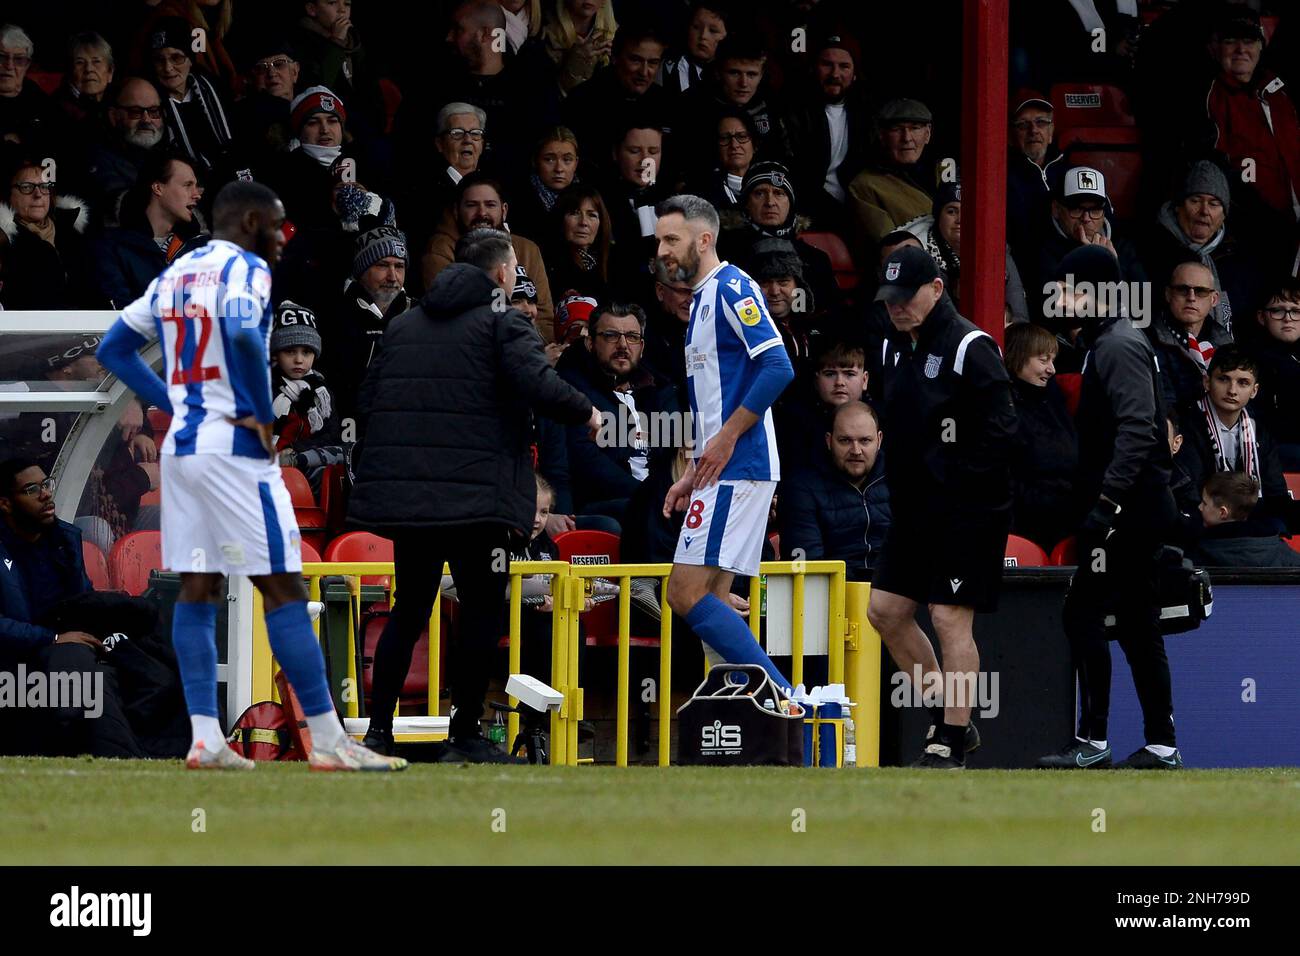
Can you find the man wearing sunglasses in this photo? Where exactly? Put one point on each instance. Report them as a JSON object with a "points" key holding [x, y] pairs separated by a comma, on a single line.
{"points": [[1188, 331], [41, 566], [609, 371]]}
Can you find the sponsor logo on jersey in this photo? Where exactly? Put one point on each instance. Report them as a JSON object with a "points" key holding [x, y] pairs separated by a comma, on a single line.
{"points": [[748, 312]]}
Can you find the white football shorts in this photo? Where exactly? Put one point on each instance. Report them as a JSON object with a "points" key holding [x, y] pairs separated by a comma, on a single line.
{"points": [[725, 526], [223, 514]]}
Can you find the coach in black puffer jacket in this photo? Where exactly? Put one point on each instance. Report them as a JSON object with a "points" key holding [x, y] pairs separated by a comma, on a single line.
{"points": [[444, 413]]}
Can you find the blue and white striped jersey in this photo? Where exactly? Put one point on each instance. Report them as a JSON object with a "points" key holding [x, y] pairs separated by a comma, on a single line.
{"points": [[197, 308], [729, 328]]}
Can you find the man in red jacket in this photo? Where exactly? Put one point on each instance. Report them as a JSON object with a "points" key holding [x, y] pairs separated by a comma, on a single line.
{"points": [[1255, 120]]}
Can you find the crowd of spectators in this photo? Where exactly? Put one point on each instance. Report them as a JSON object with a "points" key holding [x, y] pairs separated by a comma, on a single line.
{"points": [[566, 121]]}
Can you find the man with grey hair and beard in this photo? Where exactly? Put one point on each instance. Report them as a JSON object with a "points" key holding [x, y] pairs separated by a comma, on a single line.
{"points": [[372, 297], [135, 132]]}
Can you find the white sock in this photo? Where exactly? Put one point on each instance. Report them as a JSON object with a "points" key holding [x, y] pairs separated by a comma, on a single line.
{"points": [[1160, 750], [208, 730], [1099, 744], [326, 730]]}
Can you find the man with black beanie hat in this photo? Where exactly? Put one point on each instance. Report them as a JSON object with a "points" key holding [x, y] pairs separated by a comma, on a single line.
{"points": [[948, 411], [1124, 469]]}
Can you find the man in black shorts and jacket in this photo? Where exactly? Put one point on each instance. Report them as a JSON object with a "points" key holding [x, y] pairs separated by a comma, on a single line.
{"points": [[948, 411], [1124, 470]]}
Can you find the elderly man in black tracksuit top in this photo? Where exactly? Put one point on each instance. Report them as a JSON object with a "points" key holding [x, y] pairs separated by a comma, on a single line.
{"points": [[948, 411], [444, 469], [1124, 469]]}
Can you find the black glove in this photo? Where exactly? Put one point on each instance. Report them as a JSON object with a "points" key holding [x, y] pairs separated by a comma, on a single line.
{"points": [[1101, 519]]}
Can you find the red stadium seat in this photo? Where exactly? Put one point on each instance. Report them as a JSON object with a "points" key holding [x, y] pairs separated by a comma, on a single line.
{"points": [[587, 545], [361, 546], [159, 423], [1293, 542], [1071, 385], [1065, 552], [415, 689], [1095, 127], [1293, 484], [1023, 553], [152, 497], [311, 519], [96, 566], [333, 497], [392, 97], [299, 488], [309, 554], [133, 556], [597, 547], [48, 82], [846, 273], [1091, 105]]}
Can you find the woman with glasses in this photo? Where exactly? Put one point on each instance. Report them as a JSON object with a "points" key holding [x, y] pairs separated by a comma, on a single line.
{"points": [[213, 17], [45, 252], [733, 147], [194, 113]]}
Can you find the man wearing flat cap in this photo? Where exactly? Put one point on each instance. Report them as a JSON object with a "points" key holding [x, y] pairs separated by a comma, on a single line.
{"points": [[1032, 159], [948, 410], [895, 187]]}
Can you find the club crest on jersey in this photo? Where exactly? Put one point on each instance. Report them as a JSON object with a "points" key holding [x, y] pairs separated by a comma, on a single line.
{"points": [[932, 363], [891, 271], [748, 312], [704, 313]]}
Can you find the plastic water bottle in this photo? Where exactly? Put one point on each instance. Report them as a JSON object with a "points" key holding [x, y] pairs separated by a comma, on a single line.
{"points": [[497, 732], [850, 742]]}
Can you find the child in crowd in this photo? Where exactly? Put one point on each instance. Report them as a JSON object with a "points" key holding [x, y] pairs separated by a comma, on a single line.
{"points": [[1234, 537], [306, 428], [1222, 435]]}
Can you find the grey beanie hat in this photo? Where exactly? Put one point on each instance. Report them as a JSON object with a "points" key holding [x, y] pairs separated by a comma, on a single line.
{"points": [[295, 325], [1205, 177], [378, 243]]}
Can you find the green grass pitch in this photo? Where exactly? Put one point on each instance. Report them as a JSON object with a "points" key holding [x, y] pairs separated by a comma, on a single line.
{"points": [[83, 811]]}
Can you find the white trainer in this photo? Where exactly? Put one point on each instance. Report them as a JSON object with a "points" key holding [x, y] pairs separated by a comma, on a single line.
{"points": [[201, 758], [350, 755]]}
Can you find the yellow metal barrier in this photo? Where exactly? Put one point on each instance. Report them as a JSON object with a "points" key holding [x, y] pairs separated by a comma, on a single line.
{"points": [[623, 574], [853, 646]]}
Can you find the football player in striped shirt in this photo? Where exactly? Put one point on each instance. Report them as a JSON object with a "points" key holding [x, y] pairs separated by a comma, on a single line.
{"points": [[225, 508], [736, 367]]}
